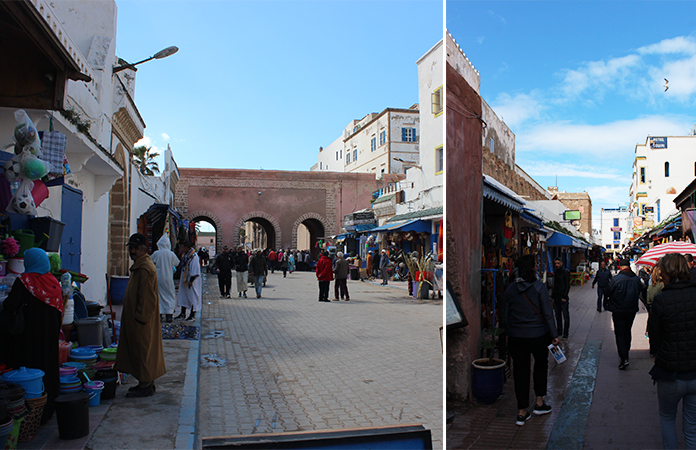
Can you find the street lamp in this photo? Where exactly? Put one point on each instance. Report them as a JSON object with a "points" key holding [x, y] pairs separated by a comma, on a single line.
{"points": [[408, 163], [159, 55]]}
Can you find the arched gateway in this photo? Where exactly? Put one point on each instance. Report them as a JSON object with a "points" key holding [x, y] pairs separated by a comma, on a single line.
{"points": [[278, 201]]}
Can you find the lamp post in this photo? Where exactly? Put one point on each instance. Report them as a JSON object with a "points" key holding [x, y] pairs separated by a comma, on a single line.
{"points": [[159, 55]]}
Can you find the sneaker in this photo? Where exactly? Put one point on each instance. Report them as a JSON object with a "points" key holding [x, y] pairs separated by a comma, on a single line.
{"points": [[245, 294], [522, 419], [623, 365], [240, 295], [258, 295], [541, 410]]}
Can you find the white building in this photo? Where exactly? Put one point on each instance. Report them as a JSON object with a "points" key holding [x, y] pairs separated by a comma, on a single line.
{"points": [[379, 143], [616, 228], [423, 186], [95, 110], [663, 167]]}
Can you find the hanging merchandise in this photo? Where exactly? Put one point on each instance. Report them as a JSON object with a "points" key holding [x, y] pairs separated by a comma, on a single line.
{"points": [[53, 145], [25, 134]]}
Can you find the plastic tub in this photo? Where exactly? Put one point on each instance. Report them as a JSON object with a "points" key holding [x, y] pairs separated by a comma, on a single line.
{"points": [[47, 226], [63, 352], [72, 414], [5, 430], [30, 379], [76, 364]]}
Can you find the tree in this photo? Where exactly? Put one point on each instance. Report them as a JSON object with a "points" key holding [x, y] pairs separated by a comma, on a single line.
{"points": [[144, 159]]}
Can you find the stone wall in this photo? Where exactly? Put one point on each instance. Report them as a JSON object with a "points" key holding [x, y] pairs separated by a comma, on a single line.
{"points": [[503, 173]]}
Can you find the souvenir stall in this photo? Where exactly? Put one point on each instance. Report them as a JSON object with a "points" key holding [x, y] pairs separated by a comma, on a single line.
{"points": [[500, 245], [159, 217]]}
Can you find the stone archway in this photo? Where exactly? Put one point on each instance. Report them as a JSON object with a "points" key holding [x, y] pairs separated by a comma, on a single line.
{"points": [[215, 220], [261, 215], [304, 217]]}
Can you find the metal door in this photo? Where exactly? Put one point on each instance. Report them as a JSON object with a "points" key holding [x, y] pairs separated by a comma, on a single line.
{"points": [[71, 216]]}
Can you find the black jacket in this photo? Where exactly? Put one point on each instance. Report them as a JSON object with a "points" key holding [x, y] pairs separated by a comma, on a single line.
{"points": [[258, 266], [519, 317], [602, 278], [623, 292], [561, 284], [672, 327], [241, 262], [223, 262]]}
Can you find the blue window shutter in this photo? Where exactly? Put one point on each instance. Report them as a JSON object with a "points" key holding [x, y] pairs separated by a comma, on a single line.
{"points": [[403, 134], [414, 135]]}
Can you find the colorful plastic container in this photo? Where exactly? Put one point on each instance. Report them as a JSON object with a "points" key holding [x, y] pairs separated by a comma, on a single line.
{"points": [[30, 379]]}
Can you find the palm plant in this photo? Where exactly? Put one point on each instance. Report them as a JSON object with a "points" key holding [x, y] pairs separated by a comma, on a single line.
{"points": [[144, 159]]}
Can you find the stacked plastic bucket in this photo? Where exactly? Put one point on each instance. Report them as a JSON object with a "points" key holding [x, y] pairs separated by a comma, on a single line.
{"points": [[94, 389], [24, 390]]}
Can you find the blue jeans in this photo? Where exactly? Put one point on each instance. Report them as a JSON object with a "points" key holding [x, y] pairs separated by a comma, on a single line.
{"points": [[669, 393], [258, 283]]}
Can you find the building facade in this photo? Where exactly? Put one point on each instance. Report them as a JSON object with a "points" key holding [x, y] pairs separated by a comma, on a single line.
{"points": [[662, 168], [615, 228], [379, 143]]}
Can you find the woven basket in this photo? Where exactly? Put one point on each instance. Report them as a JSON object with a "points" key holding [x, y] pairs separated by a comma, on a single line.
{"points": [[30, 424]]}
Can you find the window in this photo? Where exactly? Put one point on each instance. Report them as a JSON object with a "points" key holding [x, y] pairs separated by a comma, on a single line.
{"points": [[373, 144], [617, 235], [642, 175], [491, 145], [609, 247], [642, 209], [340, 154], [439, 160], [336, 156], [436, 102], [320, 165], [355, 154], [348, 157], [616, 222], [666, 169], [408, 134], [383, 138]]}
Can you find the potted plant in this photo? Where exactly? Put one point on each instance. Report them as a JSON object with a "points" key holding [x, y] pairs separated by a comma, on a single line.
{"points": [[420, 268], [488, 374]]}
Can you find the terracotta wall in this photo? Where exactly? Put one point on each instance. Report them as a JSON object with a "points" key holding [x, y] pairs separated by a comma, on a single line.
{"points": [[464, 212]]}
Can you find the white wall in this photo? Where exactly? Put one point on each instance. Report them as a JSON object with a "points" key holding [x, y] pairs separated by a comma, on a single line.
{"points": [[607, 223]]}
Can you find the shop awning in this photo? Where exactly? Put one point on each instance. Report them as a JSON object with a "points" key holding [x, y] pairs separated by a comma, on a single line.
{"points": [[343, 236], [497, 192], [533, 220], [563, 240], [365, 227], [417, 225]]}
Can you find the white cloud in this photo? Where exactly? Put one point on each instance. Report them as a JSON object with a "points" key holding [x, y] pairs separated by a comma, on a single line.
{"points": [[619, 137], [599, 75], [480, 39], [517, 110], [165, 136], [497, 16], [609, 196], [679, 44], [145, 141], [546, 168]]}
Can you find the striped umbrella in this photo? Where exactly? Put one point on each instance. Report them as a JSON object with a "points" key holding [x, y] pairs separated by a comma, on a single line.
{"points": [[650, 257]]}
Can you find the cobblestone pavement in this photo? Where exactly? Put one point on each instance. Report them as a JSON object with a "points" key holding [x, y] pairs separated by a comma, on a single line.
{"points": [[287, 362]]}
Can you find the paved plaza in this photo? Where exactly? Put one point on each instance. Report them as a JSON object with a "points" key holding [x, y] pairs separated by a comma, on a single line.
{"points": [[287, 362]]}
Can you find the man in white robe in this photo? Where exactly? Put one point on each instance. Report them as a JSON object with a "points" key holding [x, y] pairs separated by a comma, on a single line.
{"points": [[166, 262], [190, 283]]}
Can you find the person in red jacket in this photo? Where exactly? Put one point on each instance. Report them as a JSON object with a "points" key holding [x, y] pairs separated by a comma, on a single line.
{"points": [[324, 275], [273, 258]]}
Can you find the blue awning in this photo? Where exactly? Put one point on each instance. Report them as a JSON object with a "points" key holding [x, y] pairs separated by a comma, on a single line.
{"points": [[530, 218], [417, 225], [365, 227], [343, 236], [493, 190], [563, 240]]}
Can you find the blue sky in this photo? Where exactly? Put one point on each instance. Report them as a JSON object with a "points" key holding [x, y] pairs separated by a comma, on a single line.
{"points": [[580, 83], [264, 84]]}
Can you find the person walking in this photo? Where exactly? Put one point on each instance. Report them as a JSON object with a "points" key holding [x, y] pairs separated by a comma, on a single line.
{"points": [[284, 263], [324, 276], [308, 261], [602, 278], [224, 264], [272, 260], [622, 300], [692, 266], [672, 340], [241, 267], [368, 264], [190, 283], [527, 318], [140, 352], [341, 270], [383, 263], [165, 261], [258, 270], [291, 262], [559, 294]]}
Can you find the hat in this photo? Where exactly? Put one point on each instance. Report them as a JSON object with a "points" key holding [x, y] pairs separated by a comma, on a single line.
{"points": [[370, 251], [137, 239], [624, 263], [224, 247]]}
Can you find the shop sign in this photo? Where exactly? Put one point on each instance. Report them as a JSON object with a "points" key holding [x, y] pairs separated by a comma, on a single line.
{"points": [[616, 229], [359, 218], [648, 224], [658, 142], [637, 222]]}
